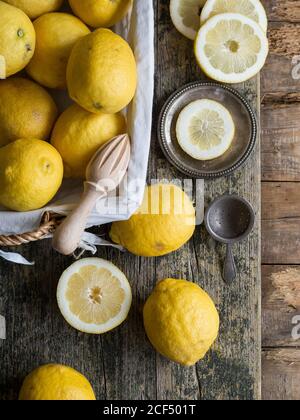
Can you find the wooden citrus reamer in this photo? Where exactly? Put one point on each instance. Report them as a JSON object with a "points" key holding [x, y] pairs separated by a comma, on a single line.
{"points": [[103, 175]]}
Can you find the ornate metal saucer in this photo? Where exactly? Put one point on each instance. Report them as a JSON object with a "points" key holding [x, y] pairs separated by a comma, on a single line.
{"points": [[243, 143]]}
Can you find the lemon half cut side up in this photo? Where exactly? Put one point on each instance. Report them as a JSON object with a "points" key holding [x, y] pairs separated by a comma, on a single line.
{"points": [[2, 67], [205, 129], [94, 296]]}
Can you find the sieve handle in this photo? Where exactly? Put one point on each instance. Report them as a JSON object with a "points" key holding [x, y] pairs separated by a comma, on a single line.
{"points": [[229, 270]]}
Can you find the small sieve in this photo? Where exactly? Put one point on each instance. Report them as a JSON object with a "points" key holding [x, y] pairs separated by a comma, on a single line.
{"points": [[229, 219]]}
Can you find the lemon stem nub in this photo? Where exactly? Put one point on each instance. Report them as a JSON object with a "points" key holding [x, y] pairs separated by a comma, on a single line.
{"points": [[20, 33]]}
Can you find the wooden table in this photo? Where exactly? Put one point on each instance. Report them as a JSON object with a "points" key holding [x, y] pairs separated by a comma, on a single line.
{"points": [[281, 198], [122, 364]]}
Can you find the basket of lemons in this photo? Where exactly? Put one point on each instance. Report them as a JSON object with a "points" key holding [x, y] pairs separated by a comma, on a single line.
{"points": [[69, 82]]}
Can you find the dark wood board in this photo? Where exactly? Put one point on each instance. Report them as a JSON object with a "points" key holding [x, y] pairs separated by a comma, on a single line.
{"points": [[122, 364], [281, 305], [280, 199]]}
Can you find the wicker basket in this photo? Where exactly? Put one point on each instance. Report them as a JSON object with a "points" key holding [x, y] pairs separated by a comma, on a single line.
{"points": [[49, 223]]}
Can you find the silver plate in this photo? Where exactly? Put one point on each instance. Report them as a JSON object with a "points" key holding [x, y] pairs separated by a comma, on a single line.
{"points": [[243, 143]]}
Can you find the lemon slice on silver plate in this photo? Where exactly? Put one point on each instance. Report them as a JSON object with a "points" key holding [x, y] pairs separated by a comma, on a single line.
{"points": [[253, 9], [185, 15], [231, 48], [205, 129]]}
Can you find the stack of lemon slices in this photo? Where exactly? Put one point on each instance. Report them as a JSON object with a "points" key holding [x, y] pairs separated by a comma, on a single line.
{"points": [[231, 44]]}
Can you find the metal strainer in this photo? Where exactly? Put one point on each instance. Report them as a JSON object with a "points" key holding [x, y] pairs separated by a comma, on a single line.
{"points": [[229, 219]]}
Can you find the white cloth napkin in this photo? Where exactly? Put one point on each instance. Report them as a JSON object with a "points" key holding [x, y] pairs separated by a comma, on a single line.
{"points": [[138, 29]]}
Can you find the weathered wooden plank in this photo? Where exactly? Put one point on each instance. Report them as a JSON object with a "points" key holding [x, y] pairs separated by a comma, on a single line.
{"points": [[122, 364], [281, 305], [280, 147], [283, 10], [280, 200], [280, 223], [281, 142], [281, 75], [281, 374], [282, 38]]}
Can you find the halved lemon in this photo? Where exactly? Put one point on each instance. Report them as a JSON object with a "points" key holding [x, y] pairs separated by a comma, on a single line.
{"points": [[205, 129], [94, 296], [253, 9], [185, 15], [231, 48]]}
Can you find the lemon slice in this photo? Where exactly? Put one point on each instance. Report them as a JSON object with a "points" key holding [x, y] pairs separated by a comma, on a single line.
{"points": [[2, 67], [185, 15], [94, 296], [231, 48], [253, 9], [205, 129]]}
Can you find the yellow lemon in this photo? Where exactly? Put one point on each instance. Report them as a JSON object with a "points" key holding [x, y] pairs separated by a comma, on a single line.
{"points": [[94, 296], [17, 40], [100, 13], [181, 321], [36, 8], [101, 73], [163, 224], [31, 172], [56, 35], [56, 383], [78, 134], [26, 111]]}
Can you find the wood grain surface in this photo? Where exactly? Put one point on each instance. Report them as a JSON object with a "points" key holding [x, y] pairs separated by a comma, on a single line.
{"points": [[122, 364], [281, 374], [281, 303]]}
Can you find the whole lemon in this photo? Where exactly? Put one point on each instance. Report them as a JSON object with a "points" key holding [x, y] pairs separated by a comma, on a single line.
{"points": [[17, 40], [56, 34], [102, 73], [26, 111], [163, 224], [181, 321], [100, 13], [78, 134], [56, 383], [36, 8], [31, 172]]}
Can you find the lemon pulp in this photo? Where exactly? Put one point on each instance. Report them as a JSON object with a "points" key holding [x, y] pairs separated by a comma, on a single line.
{"points": [[95, 295], [253, 9], [205, 129], [185, 15]]}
